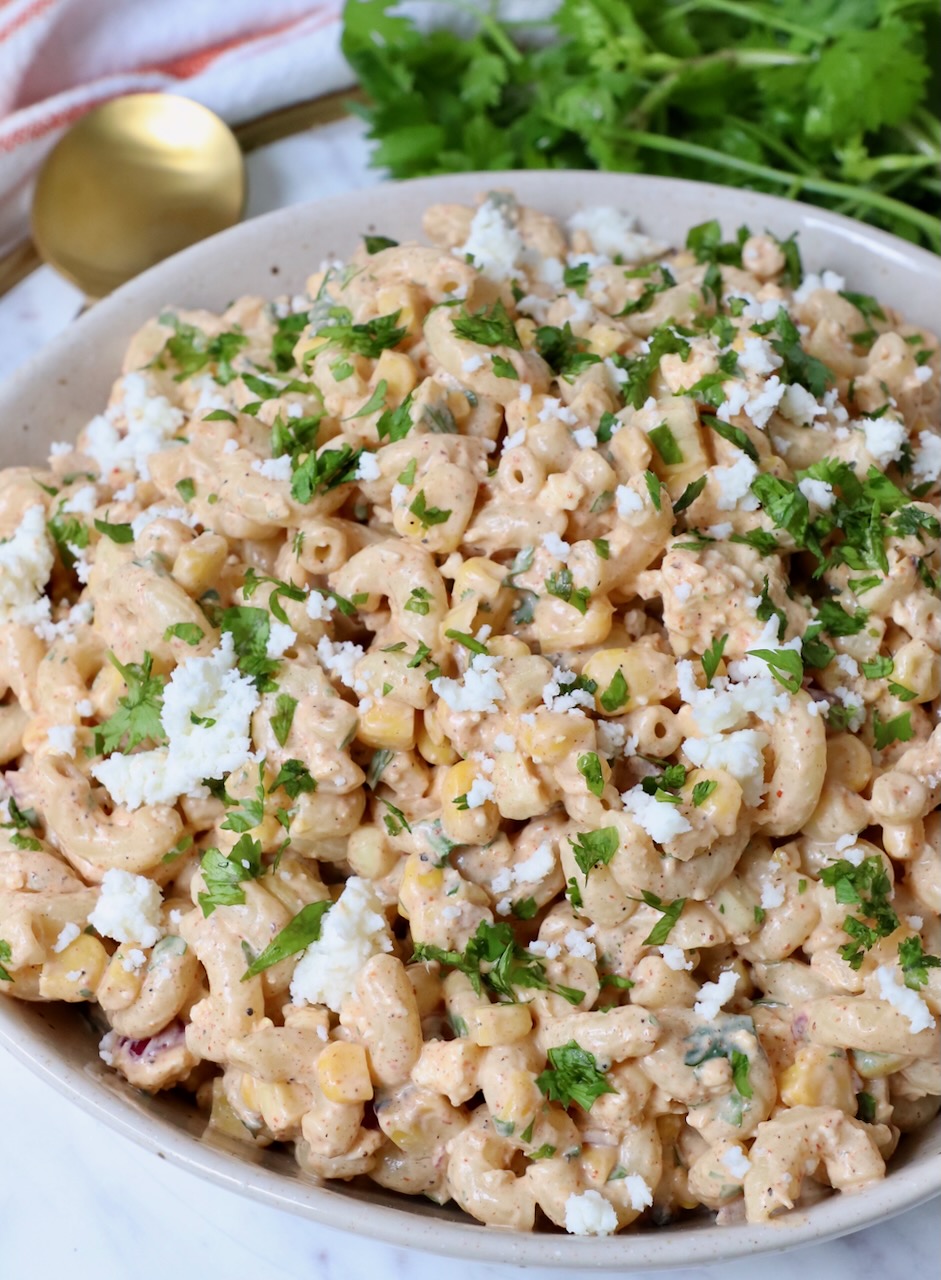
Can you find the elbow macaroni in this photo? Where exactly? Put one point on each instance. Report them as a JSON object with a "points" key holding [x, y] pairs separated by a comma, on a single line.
{"points": [[438, 716]]}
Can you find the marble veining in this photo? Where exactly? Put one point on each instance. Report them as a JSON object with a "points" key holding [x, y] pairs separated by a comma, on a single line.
{"points": [[81, 1202]]}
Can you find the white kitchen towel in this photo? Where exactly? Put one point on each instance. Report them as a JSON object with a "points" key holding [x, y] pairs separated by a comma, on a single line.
{"points": [[59, 58]]}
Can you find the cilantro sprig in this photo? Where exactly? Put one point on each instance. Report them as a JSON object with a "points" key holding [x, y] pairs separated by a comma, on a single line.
{"points": [[869, 888], [573, 1075], [493, 958]]}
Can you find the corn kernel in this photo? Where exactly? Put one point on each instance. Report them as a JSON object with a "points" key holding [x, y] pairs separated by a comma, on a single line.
{"points": [[198, 564], [434, 751], [223, 1118], [406, 299], [389, 724], [369, 853], [343, 1072], [647, 673], [604, 339], [119, 987], [526, 332], [399, 374], [499, 1024], [74, 973], [466, 826], [818, 1077]]}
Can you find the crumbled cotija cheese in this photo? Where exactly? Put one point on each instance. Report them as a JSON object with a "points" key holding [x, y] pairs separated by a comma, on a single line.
{"points": [[674, 957], [738, 753], [589, 1214], [909, 1003], [479, 792], [662, 822], [736, 1161], [627, 501], [61, 738], [639, 1193], [353, 931], [884, 438], [479, 690], [494, 244], [128, 908], [281, 469], [151, 422], [212, 689], [614, 234], [68, 933], [26, 561], [713, 995], [733, 485]]}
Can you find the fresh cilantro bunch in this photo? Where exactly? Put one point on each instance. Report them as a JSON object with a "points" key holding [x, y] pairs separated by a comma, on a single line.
{"points": [[825, 101]]}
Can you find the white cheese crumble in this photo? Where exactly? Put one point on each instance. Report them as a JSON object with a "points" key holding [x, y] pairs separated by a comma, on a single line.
{"points": [[479, 689], [733, 485], [926, 463], [884, 438], [817, 492], [68, 933], [280, 638], [577, 945], [661, 821], [585, 438], [133, 960], [504, 742], [798, 405], [772, 895], [211, 689], [614, 234], [539, 864], [83, 501], [472, 364], [61, 738], [758, 357], [683, 591], [280, 468], [494, 244], [556, 546], [739, 753], [713, 995], [589, 1214], [146, 518], [128, 908], [26, 561], [750, 690], [638, 1192], [151, 422], [674, 957], [557, 696], [352, 932], [319, 607], [812, 282], [627, 501], [736, 1161], [479, 792], [339, 658], [719, 531], [553, 409], [514, 441], [909, 1003]]}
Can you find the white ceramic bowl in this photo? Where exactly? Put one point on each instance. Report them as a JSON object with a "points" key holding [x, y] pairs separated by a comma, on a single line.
{"points": [[59, 390]]}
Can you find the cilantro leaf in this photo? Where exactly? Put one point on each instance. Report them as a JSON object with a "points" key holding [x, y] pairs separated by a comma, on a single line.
{"points": [[594, 848], [427, 516], [915, 964], [137, 716], [869, 887], [898, 729], [589, 766], [573, 1076], [488, 328], [296, 936], [713, 656], [617, 693], [786, 666], [671, 912], [565, 354], [224, 874]]}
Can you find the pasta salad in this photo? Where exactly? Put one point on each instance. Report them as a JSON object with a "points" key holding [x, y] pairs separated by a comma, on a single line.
{"points": [[476, 721]]}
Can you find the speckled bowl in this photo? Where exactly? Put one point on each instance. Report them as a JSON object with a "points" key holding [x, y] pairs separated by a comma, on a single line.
{"points": [[68, 382]]}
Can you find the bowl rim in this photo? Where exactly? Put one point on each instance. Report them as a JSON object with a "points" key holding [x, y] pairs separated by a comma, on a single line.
{"points": [[906, 1186]]}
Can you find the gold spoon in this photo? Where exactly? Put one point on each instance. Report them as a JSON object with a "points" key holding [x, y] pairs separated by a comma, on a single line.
{"points": [[134, 181]]}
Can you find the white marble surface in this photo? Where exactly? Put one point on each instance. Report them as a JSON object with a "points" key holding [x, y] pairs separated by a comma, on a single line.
{"points": [[78, 1201]]}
